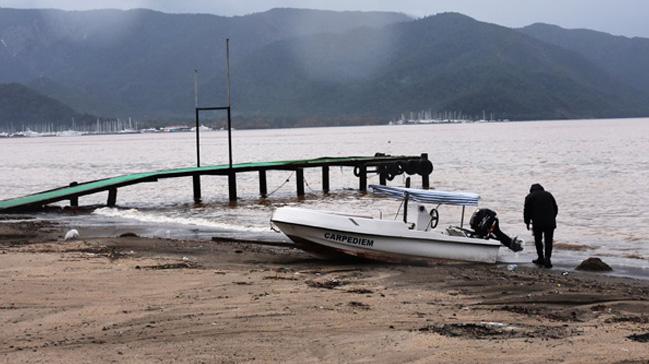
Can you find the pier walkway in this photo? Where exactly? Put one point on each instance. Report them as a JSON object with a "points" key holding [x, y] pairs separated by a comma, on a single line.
{"points": [[386, 166]]}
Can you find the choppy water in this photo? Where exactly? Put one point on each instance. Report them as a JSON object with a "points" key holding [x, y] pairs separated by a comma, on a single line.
{"points": [[597, 170]]}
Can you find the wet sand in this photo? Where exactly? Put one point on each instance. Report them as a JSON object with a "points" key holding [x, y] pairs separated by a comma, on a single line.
{"points": [[133, 299]]}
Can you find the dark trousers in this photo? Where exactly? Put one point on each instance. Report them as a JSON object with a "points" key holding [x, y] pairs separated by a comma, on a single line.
{"points": [[539, 234]]}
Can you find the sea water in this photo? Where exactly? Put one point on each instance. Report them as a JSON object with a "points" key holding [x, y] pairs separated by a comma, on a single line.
{"points": [[596, 169]]}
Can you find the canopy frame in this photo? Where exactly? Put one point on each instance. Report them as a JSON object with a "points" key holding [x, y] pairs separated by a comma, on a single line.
{"points": [[428, 196]]}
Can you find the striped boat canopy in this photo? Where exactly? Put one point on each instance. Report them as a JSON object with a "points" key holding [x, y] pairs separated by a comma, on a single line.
{"points": [[428, 196]]}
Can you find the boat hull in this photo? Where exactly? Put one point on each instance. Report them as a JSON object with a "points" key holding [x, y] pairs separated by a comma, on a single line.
{"points": [[335, 235]]}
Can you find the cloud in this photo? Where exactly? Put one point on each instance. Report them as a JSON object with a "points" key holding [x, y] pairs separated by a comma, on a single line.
{"points": [[88, 4], [614, 16]]}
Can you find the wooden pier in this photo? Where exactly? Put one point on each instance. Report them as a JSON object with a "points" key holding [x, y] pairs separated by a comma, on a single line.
{"points": [[387, 167]]}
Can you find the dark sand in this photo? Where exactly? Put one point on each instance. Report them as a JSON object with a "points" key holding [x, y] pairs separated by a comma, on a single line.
{"points": [[134, 299]]}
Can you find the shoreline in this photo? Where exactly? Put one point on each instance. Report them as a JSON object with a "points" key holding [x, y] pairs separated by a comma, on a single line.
{"points": [[131, 298], [566, 255]]}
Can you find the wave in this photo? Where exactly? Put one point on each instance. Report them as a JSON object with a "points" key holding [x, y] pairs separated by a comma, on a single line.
{"points": [[149, 217]]}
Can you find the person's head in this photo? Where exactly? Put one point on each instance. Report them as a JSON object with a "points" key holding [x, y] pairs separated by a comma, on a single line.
{"points": [[536, 187]]}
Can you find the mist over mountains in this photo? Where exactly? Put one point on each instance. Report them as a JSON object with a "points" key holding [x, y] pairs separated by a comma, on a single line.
{"points": [[306, 67], [626, 59]]}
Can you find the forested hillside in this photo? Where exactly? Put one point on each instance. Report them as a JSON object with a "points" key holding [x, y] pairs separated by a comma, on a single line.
{"points": [[307, 67]]}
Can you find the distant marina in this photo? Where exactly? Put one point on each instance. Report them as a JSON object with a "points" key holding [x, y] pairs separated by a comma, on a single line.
{"points": [[101, 128], [111, 127], [443, 117]]}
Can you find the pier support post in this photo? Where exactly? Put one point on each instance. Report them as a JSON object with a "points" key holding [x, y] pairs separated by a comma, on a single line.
{"points": [[382, 179], [197, 188], [362, 178], [405, 202], [299, 181], [232, 186], [112, 197], [263, 188], [425, 178], [325, 179], [74, 201]]}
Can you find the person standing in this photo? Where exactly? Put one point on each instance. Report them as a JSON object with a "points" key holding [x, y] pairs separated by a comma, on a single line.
{"points": [[541, 211]]}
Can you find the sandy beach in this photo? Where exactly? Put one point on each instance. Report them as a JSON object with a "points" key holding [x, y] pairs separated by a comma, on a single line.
{"points": [[134, 299]]}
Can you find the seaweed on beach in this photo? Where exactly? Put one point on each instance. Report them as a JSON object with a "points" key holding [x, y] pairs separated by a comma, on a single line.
{"points": [[642, 319], [328, 284], [642, 338], [360, 305], [360, 291], [181, 265], [281, 278], [496, 330]]}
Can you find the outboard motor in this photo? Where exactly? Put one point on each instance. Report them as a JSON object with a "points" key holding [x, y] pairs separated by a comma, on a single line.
{"points": [[485, 225], [482, 222]]}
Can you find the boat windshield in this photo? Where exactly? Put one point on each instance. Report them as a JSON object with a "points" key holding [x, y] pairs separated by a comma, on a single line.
{"points": [[428, 196]]}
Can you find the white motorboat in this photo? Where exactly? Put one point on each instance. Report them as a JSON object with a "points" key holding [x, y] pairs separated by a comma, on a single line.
{"points": [[328, 234]]}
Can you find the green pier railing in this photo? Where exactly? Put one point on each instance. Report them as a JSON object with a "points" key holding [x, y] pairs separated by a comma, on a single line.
{"points": [[75, 190]]}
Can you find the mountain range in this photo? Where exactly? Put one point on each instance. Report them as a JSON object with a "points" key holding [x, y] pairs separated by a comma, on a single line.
{"points": [[308, 67]]}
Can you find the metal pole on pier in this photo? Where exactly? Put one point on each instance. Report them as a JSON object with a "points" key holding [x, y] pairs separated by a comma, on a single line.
{"points": [[405, 202], [196, 179], [425, 177], [195, 88], [198, 147], [227, 74], [232, 177]]}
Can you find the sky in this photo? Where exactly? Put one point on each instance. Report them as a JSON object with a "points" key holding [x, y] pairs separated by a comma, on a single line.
{"points": [[620, 17]]}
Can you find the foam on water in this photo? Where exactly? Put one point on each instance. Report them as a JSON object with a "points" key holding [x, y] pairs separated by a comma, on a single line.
{"points": [[158, 218]]}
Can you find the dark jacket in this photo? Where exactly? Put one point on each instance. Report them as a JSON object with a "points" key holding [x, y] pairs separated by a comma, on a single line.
{"points": [[540, 208]]}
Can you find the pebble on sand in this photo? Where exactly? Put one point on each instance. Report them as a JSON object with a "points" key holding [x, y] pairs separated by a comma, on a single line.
{"points": [[72, 234]]}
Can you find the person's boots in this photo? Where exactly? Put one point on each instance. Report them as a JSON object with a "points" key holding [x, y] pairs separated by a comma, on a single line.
{"points": [[548, 254], [548, 263]]}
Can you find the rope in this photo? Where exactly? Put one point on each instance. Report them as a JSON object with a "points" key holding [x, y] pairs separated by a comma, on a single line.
{"points": [[282, 185], [307, 184], [399, 209]]}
